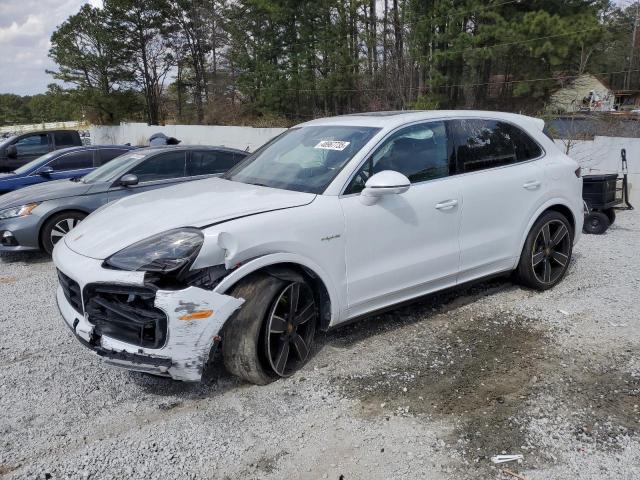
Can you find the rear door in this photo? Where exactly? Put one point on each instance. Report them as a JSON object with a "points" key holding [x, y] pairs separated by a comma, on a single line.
{"points": [[161, 170], [500, 185]]}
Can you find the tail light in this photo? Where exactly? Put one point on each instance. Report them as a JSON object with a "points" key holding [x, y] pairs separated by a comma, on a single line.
{"points": [[578, 172]]}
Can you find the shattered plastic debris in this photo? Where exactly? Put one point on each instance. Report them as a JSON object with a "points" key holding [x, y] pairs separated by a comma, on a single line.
{"points": [[507, 458]]}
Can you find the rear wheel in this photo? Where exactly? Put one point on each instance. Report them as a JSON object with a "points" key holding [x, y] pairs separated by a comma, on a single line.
{"points": [[596, 223], [547, 252], [57, 227], [272, 334]]}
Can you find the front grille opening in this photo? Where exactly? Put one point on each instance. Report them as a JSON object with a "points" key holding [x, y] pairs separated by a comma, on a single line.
{"points": [[126, 314], [71, 291]]}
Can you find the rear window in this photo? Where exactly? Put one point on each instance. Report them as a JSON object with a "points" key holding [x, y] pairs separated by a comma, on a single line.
{"points": [[483, 144], [210, 162], [65, 139], [73, 161], [108, 154]]}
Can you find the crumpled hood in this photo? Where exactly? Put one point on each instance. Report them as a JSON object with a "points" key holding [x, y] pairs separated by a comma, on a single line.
{"points": [[43, 191], [190, 204]]}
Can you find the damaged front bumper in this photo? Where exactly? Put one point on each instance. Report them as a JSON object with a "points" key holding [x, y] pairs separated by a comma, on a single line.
{"points": [[194, 318]]}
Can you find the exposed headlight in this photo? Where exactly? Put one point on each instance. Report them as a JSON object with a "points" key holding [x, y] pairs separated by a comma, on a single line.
{"points": [[20, 211], [163, 253]]}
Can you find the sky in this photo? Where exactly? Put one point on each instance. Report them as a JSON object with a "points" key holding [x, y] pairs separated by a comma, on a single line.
{"points": [[25, 29]]}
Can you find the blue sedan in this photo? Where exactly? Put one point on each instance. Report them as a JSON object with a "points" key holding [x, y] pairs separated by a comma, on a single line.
{"points": [[60, 164]]}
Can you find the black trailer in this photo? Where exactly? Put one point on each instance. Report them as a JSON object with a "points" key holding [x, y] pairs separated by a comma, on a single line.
{"points": [[603, 195]]}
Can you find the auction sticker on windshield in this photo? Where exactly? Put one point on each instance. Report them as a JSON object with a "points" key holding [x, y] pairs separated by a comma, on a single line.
{"points": [[332, 145]]}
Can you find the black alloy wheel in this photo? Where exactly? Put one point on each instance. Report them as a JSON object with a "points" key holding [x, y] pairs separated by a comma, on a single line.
{"points": [[551, 252], [290, 328]]}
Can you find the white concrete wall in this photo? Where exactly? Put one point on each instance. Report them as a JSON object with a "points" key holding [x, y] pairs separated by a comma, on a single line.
{"points": [[602, 155], [72, 125], [243, 138]]}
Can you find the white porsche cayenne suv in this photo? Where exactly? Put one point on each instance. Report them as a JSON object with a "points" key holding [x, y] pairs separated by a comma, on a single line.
{"points": [[334, 219]]}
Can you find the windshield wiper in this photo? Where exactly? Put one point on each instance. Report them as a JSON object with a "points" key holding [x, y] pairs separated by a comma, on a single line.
{"points": [[75, 179]]}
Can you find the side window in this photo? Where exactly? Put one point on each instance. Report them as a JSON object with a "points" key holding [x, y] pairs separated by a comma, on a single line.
{"points": [[72, 161], [161, 167], [64, 139], [482, 144], [420, 152], [108, 154], [37, 144], [526, 147], [209, 162]]}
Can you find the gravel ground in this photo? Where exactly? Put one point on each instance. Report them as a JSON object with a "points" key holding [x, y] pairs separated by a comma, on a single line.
{"points": [[430, 390]]}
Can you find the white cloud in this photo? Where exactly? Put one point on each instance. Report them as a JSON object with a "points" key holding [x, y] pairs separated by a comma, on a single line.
{"points": [[25, 29]]}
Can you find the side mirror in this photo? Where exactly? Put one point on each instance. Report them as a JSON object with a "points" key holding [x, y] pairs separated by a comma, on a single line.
{"points": [[45, 171], [12, 151], [129, 180], [384, 183]]}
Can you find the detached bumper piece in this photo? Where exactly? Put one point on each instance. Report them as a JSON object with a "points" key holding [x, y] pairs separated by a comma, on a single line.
{"points": [[71, 291], [127, 314]]}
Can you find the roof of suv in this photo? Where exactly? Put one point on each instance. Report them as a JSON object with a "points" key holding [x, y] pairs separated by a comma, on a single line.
{"points": [[394, 119]]}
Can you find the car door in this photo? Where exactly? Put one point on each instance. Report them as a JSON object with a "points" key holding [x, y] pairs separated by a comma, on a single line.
{"points": [[500, 183], [404, 245], [29, 147], [161, 170], [73, 164]]}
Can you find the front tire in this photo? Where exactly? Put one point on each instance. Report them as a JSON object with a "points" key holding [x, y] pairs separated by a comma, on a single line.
{"points": [[547, 252], [272, 333], [57, 227]]}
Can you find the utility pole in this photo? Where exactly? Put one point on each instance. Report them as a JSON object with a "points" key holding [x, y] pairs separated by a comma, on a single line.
{"points": [[627, 83]]}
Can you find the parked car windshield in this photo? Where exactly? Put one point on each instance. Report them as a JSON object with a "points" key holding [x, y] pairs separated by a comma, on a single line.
{"points": [[303, 159], [112, 170], [34, 163]]}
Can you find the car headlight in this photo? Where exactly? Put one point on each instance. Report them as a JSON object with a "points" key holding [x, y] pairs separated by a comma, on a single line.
{"points": [[164, 253], [19, 211]]}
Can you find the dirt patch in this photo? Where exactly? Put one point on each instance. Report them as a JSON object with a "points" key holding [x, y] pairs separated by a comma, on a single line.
{"points": [[5, 469], [607, 406], [477, 373], [485, 375]]}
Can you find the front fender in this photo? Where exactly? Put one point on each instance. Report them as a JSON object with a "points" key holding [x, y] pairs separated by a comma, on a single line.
{"points": [[278, 258]]}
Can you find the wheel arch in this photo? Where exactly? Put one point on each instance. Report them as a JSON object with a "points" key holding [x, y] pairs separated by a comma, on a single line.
{"points": [[53, 213], [291, 267], [554, 206]]}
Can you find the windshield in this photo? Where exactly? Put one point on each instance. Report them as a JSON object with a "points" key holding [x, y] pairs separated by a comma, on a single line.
{"points": [[303, 159], [112, 170], [34, 163]]}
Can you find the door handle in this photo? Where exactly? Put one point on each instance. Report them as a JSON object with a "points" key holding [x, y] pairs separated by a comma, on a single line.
{"points": [[532, 185], [446, 205]]}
